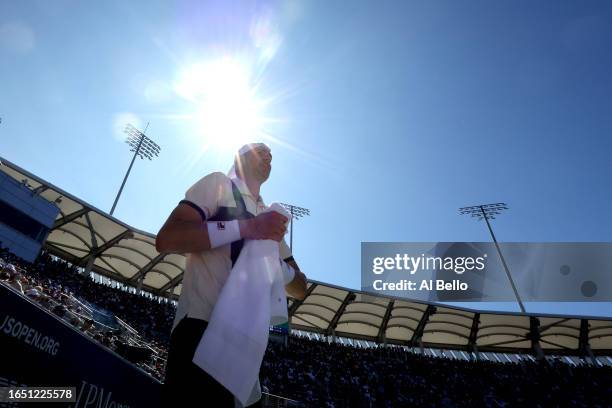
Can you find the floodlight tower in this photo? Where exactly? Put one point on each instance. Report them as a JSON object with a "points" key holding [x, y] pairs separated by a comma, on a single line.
{"points": [[142, 146], [297, 213], [486, 212]]}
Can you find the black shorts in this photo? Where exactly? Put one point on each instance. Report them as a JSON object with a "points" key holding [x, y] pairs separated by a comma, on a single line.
{"points": [[186, 384]]}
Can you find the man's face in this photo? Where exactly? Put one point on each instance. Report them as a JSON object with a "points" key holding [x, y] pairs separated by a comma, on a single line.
{"points": [[258, 162]]}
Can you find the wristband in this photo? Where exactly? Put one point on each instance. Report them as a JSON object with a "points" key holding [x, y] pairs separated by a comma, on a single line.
{"points": [[222, 232], [288, 272]]}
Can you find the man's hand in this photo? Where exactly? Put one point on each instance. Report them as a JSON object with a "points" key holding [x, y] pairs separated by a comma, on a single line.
{"points": [[270, 225]]}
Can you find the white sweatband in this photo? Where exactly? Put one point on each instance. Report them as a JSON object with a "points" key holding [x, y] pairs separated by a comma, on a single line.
{"points": [[222, 232], [288, 272]]}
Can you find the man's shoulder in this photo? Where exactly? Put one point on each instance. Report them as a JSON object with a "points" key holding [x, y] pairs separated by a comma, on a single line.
{"points": [[209, 191]]}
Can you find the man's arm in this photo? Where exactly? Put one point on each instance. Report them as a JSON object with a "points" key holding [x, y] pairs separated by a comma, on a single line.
{"points": [[184, 231], [297, 287]]}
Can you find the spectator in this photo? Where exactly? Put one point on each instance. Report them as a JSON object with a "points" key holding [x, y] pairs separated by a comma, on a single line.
{"points": [[87, 326], [34, 293], [59, 310], [15, 282]]}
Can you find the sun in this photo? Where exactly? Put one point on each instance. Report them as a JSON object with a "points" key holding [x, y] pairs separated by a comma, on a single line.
{"points": [[227, 112]]}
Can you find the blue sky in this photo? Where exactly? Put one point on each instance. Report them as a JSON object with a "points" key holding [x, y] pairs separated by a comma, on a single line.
{"points": [[387, 116]]}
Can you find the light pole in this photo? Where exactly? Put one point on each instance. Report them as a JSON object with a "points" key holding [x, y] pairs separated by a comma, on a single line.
{"points": [[297, 213], [486, 212], [142, 146]]}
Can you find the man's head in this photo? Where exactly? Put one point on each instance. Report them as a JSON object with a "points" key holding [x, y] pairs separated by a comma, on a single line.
{"points": [[9, 268], [87, 324], [253, 160]]}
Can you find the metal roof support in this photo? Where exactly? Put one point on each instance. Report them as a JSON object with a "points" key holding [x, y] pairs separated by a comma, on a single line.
{"points": [[548, 326], [418, 332], [70, 217], [89, 266], [297, 303], [92, 232], [140, 281], [331, 329], [107, 245], [139, 276], [94, 246], [40, 189], [474, 337], [534, 336], [382, 338], [583, 341], [171, 284]]}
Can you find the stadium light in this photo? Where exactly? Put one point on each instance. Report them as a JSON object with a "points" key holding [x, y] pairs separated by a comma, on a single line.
{"points": [[297, 213], [486, 212], [142, 146]]}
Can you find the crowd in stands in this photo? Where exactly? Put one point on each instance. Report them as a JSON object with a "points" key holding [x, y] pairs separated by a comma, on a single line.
{"points": [[60, 288], [314, 372], [336, 375]]}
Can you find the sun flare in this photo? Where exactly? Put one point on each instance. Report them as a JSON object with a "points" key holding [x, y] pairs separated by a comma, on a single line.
{"points": [[227, 112]]}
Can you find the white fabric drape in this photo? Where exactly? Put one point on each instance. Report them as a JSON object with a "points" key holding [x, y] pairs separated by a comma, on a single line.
{"points": [[253, 298]]}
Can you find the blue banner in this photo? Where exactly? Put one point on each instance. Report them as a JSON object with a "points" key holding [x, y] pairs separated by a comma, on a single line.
{"points": [[40, 350]]}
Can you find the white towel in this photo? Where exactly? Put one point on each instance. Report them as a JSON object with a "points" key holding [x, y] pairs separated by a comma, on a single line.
{"points": [[253, 297]]}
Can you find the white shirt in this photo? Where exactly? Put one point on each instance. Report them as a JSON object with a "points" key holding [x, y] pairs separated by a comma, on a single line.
{"points": [[206, 272]]}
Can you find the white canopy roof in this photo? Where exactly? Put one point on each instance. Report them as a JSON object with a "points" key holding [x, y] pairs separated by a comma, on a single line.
{"points": [[83, 233], [329, 309]]}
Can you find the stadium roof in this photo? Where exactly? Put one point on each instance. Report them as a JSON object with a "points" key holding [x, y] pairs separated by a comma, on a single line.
{"points": [[83, 233], [355, 314]]}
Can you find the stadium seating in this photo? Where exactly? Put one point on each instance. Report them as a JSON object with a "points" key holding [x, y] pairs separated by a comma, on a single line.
{"points": [[315, 372]]}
